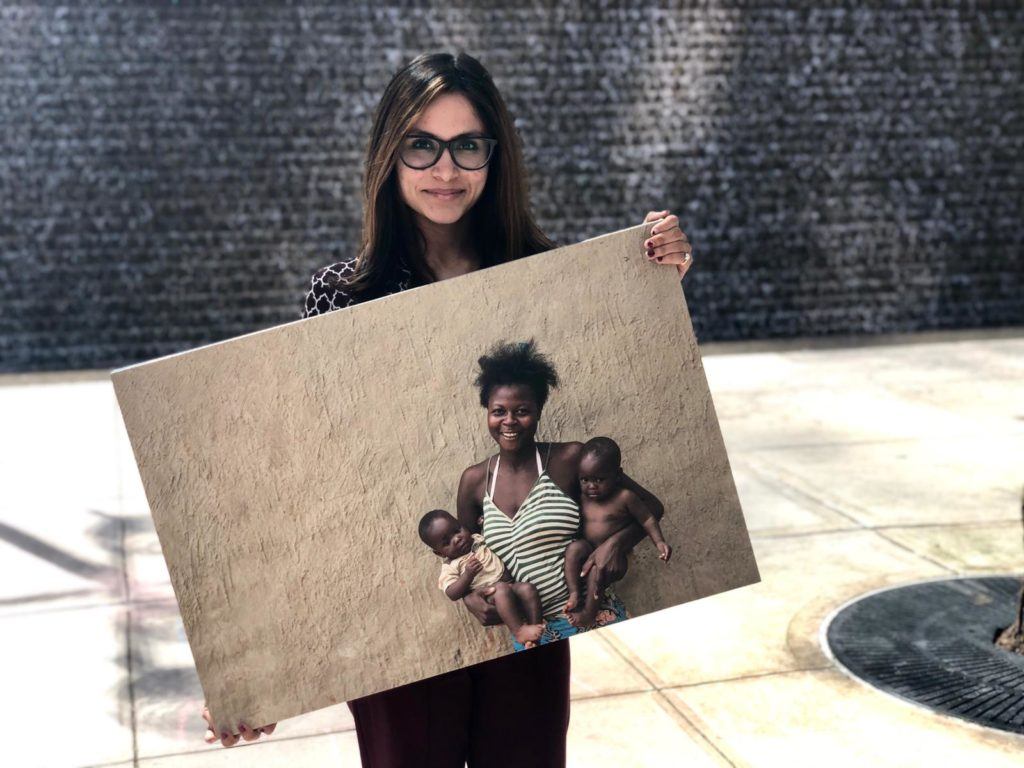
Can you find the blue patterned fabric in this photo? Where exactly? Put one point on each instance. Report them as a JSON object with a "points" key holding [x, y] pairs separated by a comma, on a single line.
{"points": [[611, 611]]}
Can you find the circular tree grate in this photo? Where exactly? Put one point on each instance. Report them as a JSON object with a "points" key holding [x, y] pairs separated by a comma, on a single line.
{"points": [[933, 644]]}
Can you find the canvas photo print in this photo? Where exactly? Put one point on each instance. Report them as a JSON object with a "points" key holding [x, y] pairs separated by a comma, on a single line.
{"points": [[437, 478], [528, 546]]}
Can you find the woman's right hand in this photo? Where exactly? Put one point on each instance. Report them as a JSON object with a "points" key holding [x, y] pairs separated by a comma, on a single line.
{"points": [[483, 610], [229, 739]]}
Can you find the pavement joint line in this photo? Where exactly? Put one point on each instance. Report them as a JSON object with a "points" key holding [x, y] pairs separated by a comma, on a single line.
{"points": [[169, 601], [272, 739], [767, 536], [1013, 519], [926, 558], [788, 489], [635, 662], [130, 670], [751, 676], [44, 596], [796, 485], [842, 342], [615, 694], [1005, 432], [673, 710], [881, 386]]}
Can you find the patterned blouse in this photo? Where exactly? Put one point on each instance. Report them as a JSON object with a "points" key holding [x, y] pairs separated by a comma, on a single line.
{"points": [[328, 290]]}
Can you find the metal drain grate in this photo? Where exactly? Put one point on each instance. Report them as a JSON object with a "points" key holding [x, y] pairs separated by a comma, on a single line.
{"points": [[933, 644]]}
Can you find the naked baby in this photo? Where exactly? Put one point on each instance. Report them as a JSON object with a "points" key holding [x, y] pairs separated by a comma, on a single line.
{"points": [[606, 508], [468, 564]]}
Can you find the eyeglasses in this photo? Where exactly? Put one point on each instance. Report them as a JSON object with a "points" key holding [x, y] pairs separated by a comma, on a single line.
{"points": [[470, 153]]}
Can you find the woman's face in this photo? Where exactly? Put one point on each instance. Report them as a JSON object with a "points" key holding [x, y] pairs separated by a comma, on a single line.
{"points": [[512, 416], [446, 117]]}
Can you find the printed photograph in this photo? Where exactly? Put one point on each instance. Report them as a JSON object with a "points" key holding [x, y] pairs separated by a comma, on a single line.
{"points": [[528, 547], [347, 516]]}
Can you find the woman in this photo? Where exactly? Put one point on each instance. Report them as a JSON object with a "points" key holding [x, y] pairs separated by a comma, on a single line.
{"points": [[528, 495], [445, 194]]}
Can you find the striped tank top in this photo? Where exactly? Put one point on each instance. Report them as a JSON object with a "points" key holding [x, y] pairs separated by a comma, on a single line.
{"points": [[532, 543]]}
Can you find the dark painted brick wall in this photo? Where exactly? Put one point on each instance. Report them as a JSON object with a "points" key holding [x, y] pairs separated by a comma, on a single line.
{"points": [[171, 173]]}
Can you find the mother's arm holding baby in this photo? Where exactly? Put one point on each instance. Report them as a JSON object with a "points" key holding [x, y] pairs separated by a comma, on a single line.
{"points": [[610, 556], [469, 509]]}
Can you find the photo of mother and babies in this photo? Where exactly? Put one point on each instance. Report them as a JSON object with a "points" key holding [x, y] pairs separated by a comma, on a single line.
{"points": [[534, 560]]}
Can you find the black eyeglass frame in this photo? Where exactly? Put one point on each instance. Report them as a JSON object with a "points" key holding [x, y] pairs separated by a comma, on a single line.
{"points": [[443, 145]]}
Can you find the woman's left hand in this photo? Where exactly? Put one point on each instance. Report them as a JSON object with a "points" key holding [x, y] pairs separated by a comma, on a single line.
{"points": [[609, 558], [668, 244]]}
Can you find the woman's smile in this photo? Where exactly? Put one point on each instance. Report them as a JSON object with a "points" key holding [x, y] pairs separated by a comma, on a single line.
{"points": [[445, 195]]}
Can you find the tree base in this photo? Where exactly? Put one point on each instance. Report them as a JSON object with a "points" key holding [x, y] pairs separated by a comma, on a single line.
{"points": [[1012, 639]]}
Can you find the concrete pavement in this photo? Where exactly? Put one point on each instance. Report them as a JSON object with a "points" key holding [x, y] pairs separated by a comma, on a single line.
{"points": [[858, 466]]}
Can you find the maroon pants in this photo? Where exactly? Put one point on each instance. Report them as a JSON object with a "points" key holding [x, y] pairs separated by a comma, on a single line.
{"points": [[513, 711]]}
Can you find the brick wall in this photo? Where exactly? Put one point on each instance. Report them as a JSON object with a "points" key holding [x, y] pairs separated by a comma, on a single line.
{"points": [[171, 173]]}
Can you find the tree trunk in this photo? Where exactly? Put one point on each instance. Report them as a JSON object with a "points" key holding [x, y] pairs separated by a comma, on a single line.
{"points": [[1012, 638]]}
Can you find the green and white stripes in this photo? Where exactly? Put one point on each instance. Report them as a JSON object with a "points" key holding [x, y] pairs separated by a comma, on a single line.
{"points": [[532, 544]]}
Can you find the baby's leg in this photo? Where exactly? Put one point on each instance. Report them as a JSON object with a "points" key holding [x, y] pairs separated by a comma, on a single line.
{"points": [[575, 555], [529, 598], [507, 603], [584, 617]]}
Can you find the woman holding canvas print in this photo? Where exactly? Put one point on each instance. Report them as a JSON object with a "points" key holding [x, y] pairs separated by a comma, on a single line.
{"points": [[445, 194]]}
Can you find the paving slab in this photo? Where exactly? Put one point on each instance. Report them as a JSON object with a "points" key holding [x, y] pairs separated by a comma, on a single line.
{"points": [[55, 555], [636, 730], [857, 468], [131, 493], [992, 405], [826, 415], [972, 478], [773, 508], [65, 688], [30, 583], [338, 750], [751, 372], [145, 567], [746, 631], [59, 447], [815, 718], [965, 358], [60, 534], [967, 548], [777, 365], [169, 698], [598, 669]]}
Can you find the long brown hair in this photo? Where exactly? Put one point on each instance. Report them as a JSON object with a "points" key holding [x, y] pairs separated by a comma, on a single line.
{"points": [[501, 225]]}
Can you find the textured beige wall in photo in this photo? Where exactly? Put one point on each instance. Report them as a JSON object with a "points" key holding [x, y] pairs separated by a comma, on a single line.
{"points": [[286, 470]]}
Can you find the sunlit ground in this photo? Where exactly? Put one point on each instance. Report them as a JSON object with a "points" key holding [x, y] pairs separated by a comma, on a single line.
{"points": [[857, 467]]}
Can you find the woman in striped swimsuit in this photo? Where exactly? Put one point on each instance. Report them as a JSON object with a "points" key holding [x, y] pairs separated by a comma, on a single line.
{"points": [[528, 494]]}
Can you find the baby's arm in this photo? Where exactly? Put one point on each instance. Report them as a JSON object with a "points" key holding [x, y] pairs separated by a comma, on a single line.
{"points": [[643, 515], [459, 588]]}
